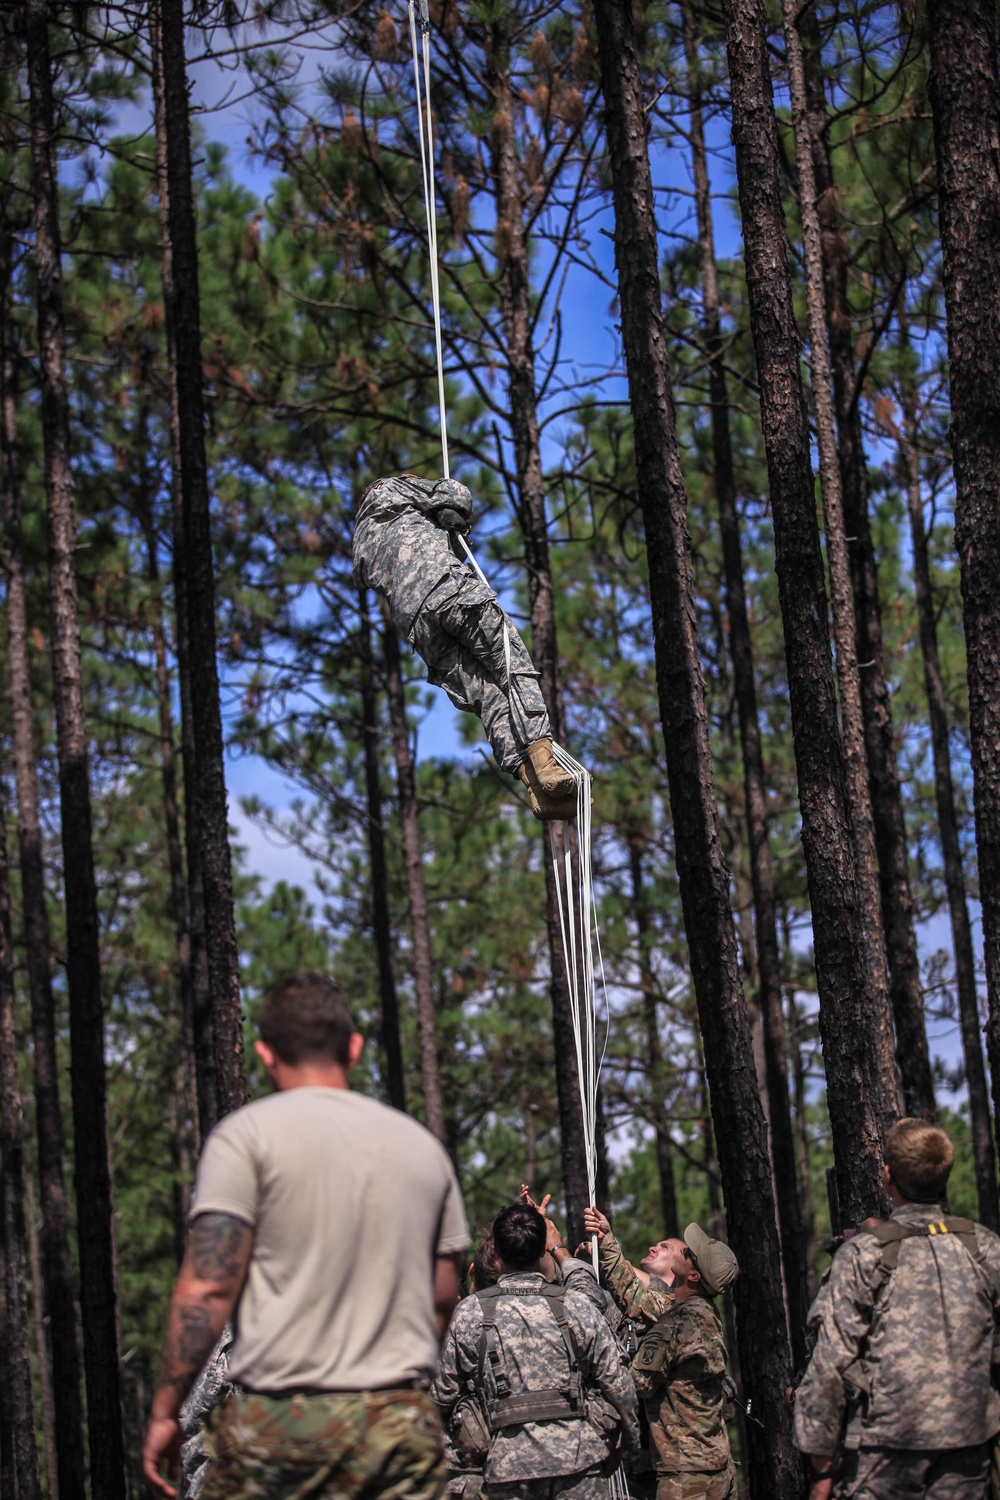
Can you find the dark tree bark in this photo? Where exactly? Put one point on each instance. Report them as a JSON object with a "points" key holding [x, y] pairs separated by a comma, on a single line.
{"points": [[514, 288], [202, 1027], [888, 820], [848, 1042], [654, 1047], [755, 786], [859, 805], [206, 804], [413, 860], [189, 1126], [92, 1175], [18, 1410], [395, 1086], [965, 100], [43, 1354], [740, 1127], [58, 1279], [951, 849]]}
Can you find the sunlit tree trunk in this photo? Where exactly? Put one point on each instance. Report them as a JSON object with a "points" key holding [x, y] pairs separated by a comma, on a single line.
{"points": [[852, 718], [92, 1174], [654, 1046], [57, 1301], [738, 1118], [849, 1042], [965, 100], [888, 820]]}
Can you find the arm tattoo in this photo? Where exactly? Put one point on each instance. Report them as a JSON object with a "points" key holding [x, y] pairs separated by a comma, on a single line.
{"points": [[217, 1246]]}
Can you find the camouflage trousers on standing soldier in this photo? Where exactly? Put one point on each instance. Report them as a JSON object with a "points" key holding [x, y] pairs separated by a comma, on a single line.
{"points": [[720, 1485], [355, 1445]]}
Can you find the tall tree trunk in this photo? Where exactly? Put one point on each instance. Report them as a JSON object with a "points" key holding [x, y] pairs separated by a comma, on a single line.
{"points": [[68, 1477], [802, 1141], [848, 1040], [654, 1047], [514, 288], [888, 819], [951, 849], [740, 1128], [856, 759], [395, 1086], [207, 807], [420, 931], [965, 100], [43, 1354], [755, 787], [92, 1173], [15, 1386], [203, 1033], [188, 1125]]}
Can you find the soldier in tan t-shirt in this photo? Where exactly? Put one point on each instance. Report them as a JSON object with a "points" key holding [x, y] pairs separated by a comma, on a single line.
{"points": [[332, 1229]]}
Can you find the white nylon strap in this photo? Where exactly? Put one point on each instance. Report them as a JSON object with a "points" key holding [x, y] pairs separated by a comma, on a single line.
{"points": [[427, 171]]}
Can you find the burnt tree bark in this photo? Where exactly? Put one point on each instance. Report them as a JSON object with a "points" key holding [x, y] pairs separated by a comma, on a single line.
{"points": [[395, 1086], [754, 782], [43, 1354], [58, 1278], [983, 1152], [852, 717], [15, 1387], [888, 818], [416, 890], [965, 102], [92, 1174], [819, 755], [740, 1127], [206, 804], [514, 288]]}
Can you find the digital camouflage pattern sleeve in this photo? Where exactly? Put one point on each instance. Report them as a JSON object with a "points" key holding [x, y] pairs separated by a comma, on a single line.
{"points": [[632, 1295]]}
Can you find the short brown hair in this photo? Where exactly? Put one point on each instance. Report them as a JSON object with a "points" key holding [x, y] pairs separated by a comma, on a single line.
{"points": [[919, 1156], [305, 1019]]}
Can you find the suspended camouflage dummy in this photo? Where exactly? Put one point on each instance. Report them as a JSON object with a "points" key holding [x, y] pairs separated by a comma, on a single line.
{"points": [[406, 547]]}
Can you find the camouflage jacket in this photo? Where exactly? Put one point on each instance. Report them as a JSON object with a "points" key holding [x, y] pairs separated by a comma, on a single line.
{"points": [[678, 1373], [212, 1387], [399, 549], [535, 1359], [921, 1340], [635, 1299]]}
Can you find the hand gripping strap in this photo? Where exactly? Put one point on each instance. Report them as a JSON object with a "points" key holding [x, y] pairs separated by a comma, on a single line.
{"points": [[549, 1405]]}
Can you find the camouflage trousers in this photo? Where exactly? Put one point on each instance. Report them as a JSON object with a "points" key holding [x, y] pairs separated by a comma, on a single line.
{"points": [[720, 1485], [590, 1485], [459, 633], [358, 1445], [912, 1474]]}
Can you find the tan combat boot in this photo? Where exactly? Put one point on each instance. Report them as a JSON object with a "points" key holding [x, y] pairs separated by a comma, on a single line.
{"points": [[552, 788]]}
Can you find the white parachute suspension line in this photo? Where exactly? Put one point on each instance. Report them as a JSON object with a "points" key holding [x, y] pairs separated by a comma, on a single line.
{"points": [[574, 878], [427, 171]]}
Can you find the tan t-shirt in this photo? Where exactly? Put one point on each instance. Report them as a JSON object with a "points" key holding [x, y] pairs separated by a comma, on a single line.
{"points": [[350, 1202]]}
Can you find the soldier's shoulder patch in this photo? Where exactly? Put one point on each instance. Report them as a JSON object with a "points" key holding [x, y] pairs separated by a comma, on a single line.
{"points": [[649, 1351]]}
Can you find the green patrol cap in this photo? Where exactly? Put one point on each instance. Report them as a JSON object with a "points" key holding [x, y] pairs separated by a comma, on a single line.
{"points": [[718, 1265]]}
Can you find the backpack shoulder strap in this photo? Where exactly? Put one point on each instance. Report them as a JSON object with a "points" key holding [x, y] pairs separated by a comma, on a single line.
{"points": [[489, 1347]]}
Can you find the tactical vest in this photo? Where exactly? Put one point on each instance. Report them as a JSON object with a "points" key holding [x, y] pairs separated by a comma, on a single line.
{"points": [[549, 1405], [890, 1235]]}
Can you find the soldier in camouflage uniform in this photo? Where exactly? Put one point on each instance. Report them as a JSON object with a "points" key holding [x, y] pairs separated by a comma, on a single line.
{"points": [[562, 1454], [679, 1368], [901, 1384], [406, 548]]}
